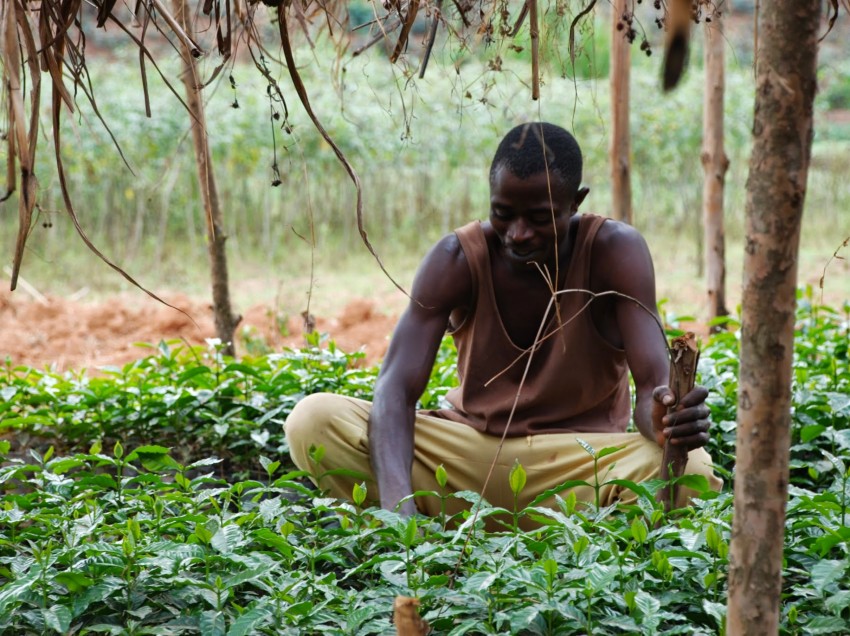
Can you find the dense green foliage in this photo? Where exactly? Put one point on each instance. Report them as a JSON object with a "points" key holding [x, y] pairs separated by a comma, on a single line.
{"points": [[118, 533]]}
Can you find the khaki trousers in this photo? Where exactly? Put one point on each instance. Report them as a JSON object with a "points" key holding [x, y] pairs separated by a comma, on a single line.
{"points": [[340, 425]]}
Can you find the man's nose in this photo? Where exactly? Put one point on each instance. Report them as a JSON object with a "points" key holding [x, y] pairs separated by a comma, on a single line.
{"points": [[519, 231]]}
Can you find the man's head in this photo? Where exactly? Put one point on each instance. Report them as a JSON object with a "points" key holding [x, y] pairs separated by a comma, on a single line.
{"points": [[529, 149], [530, 206]]}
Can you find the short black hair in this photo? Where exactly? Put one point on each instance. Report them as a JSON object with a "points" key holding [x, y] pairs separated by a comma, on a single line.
{"points": [[522, 152]]}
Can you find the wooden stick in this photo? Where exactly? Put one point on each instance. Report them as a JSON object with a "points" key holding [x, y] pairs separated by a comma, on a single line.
{"points": [[520, 19], [406, 617], [410, 18], [191, 45], [573, 24], [385, 31], [684, 355], [535, 49]]}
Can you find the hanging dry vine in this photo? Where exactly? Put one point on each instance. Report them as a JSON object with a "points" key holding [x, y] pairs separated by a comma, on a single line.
{"points": [[47, 38]]}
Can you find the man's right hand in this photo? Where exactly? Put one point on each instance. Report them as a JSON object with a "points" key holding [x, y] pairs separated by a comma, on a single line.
{"points": [[687, 425]]}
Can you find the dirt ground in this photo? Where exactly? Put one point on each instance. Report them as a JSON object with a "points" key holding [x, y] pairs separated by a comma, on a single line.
{"points": [[64, 333]]}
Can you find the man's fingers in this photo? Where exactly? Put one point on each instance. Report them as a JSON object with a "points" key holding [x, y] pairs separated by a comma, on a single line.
{"points": [[663, 395], [694, 397], [691, 435], [691, 441], [687, 427], [691, 414]]}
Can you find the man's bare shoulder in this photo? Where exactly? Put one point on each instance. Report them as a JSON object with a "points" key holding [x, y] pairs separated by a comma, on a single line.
{"points": [[620, 254], [443, 280], [615, 234]]}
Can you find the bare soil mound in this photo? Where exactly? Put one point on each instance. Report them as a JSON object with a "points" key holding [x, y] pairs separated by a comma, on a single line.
{"points": [[64, 333]]}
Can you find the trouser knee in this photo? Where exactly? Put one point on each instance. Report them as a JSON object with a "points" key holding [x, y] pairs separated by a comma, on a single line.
{"points": [[304, 424]]}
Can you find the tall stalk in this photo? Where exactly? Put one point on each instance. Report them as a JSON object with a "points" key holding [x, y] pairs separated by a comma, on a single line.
{"points": [[225, 320]]}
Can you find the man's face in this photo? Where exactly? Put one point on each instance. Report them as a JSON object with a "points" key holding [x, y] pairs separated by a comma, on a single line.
{"points": [[530, 216]]}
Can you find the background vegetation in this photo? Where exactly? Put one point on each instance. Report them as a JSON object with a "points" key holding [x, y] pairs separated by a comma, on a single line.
{"points": [[422, 148], [159, 498]]}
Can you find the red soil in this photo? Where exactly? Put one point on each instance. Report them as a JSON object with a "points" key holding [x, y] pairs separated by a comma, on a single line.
{"points": [[67, 334]]}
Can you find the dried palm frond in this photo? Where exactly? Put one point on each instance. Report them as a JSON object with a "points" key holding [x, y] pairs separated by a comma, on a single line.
{"points": [[22, 137]]}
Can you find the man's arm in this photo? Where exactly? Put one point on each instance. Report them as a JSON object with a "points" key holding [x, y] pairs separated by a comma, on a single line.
{"points": [[622, 263], [442, 284]]}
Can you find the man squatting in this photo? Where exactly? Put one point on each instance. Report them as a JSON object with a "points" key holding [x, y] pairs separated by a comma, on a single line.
{"points": [[488, 285]]}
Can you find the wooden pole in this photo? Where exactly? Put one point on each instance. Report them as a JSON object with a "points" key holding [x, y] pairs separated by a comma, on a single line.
{"points": [[225, 320], [619, 150], [776, 190], [715, 163]]}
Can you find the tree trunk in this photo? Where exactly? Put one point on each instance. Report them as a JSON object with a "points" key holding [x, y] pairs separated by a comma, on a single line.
{"points": [[715, 163], [776, 188], [621, 187], [225, 320]]}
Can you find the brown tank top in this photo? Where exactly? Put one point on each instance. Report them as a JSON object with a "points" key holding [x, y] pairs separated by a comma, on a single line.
{"points": [[577, 381]]}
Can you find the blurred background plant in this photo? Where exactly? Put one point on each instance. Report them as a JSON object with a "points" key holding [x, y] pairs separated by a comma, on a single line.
{"points": [[422, 147]]}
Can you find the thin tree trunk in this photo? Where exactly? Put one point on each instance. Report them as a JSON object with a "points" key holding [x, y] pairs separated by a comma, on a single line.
{"points": [[715, 163], [225, 320], [621, 187], [776, 189]]}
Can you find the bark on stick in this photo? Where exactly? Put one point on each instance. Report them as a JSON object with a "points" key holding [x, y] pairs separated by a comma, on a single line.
{"points": [[684, 355]]}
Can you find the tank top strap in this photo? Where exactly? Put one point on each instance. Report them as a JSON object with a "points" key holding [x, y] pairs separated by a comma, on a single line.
{"points": [[471, 237], [474, 246], [579, 272]]}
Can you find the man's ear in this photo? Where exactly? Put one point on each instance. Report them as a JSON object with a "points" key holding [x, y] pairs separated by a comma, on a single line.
{"points": [[579, 197]]}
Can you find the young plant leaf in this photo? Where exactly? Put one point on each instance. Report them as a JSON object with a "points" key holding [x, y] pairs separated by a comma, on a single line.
{"points": [[358, 494], [441, 476], [517, 478]]}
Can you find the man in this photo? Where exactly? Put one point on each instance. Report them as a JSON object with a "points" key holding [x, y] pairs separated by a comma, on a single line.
{"points": [[542, 374]]}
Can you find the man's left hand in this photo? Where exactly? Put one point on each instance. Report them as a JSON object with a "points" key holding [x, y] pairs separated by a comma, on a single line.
{"points": [[688, 423]]}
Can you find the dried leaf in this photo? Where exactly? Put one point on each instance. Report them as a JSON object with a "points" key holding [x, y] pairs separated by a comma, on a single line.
{"points": [[305, 101], [51, 53], [406, 617], [834, 5], [104, 11], [24, 142], [11, 55], [678, 26], [11, 173], [412, 10]]}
